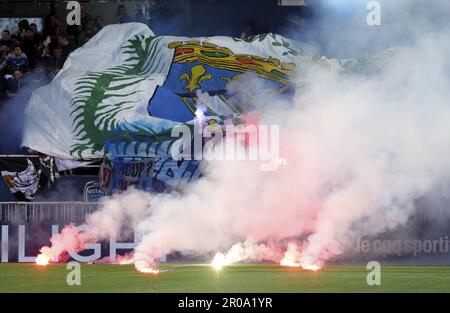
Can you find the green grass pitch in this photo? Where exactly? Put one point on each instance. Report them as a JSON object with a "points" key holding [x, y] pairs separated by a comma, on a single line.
{"points": [[237, 278]]}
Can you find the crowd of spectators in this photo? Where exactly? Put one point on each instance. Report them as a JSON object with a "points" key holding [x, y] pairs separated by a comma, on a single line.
{"points": [[31, 57]]}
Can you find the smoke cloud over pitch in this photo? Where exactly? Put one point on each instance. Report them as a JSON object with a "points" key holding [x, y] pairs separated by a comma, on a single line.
{"points": [[364, 141]]}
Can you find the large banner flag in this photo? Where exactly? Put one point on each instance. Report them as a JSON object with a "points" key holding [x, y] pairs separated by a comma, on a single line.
{"points": [[154, 174], [127, 85], [125, 90]]}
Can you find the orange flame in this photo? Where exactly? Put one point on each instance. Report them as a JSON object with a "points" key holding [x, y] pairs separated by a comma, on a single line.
{"points": [[125, 260], [311, 267], [292, 256], [304, 265], [144, 267], [219, 261], [42, 260], [289, 263]]}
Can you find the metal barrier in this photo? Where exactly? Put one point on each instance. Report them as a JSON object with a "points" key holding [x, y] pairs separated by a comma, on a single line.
{"points": [[60, 212]]}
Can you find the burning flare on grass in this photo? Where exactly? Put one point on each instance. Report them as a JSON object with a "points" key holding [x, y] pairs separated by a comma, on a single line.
{"points": [[286, 261], [292, 258], [246, 251], [69, 239], [311, 267], [219, 261], [145, 267], [42, 260], [46, 256]]}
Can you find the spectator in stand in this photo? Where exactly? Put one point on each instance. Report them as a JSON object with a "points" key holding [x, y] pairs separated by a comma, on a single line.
{"points": [[74, 32], [6, 39], [12, 82], [40, 77], [85, 17], [88, 32], [37, 34], [33, 26], [3, 54], [5, 47], [36, 79], [23, 26], [53, 29], [30, 45], [56, 62], [16, 58], [66, 46], [54, 7], [44, 49], [98, 23], [123, 15]]}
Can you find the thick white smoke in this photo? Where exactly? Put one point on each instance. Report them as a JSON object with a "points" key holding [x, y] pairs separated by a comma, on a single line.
{"points": [[363, 140], [363, 143], [114, 218]]}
